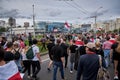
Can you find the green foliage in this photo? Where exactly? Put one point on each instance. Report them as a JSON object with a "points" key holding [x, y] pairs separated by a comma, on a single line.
{"points": [[115, 30], [2, 29], [26, 42], [39, 45], [92, 31], [39, 36]]}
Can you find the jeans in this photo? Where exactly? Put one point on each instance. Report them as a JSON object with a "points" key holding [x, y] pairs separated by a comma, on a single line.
{"points": [[71, 66], [57, 65], [18, 63], [107, 57], [72, 60]]}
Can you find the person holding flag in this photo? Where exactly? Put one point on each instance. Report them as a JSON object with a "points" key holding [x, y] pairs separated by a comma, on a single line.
{"points": [[8, 70]]}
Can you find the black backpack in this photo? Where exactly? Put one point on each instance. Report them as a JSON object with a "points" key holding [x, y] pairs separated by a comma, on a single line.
{"points": [[17, 54]]}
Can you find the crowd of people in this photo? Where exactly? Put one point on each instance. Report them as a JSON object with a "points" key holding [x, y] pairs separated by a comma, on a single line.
{"points": [[81, 50]]}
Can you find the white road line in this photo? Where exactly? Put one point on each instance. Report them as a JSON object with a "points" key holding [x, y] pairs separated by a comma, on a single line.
{"points": [[45, 60]]}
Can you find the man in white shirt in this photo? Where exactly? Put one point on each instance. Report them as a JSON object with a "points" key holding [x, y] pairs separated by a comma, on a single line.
{"points": [[36, 60]]}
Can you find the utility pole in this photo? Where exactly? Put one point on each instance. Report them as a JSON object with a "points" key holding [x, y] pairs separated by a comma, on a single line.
{"points": [[33, 21], [95, 22], [95, 17]]}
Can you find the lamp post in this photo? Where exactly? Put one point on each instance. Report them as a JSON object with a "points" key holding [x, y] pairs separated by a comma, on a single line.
{"points": [[33, 21]]}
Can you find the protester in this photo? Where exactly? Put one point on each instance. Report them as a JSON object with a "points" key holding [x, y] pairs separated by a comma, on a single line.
{"points": [[49, 46], [22, 44], [65, 46], [26, 62], [106, 48], [88, 64], [8, 70], [79, 41], [4, 42], [30, 39], [17, 55], [43, 41], [81, 50], [58, 60], [99, 51], [36, 60], [115, 51], [9, 54], [112, 38], [72, 49]]}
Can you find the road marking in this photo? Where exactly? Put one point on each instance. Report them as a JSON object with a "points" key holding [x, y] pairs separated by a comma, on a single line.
{"points": [[45, 60]]}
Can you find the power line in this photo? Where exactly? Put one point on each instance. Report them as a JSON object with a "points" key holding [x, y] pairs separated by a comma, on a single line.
{"points": [[80, 7], [75, 7]]}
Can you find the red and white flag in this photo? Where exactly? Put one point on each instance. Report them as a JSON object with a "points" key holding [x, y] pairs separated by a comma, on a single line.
{"points": [[99, 29], [9, 71], [67, 26]]}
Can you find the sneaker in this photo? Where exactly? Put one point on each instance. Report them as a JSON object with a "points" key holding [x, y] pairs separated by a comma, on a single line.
{"points": [[48, 69], [31, 75], [71, 72], [64, 79], [35, 78], [28, 77]]}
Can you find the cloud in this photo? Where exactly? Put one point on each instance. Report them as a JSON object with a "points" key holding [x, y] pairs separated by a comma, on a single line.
{"points": [[9, 13], [12, 13], [59, 9], [55, 13]]}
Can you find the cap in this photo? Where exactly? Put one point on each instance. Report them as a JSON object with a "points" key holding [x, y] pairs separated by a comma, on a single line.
{"points": [[90, 45]]}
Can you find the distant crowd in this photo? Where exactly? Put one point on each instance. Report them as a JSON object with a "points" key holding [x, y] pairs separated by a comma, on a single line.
{"points": [[87, 53]]}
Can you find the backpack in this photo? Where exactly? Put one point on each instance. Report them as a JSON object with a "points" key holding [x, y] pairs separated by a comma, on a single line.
{"points": [[17, 54], [29, 53], [103, 74]]}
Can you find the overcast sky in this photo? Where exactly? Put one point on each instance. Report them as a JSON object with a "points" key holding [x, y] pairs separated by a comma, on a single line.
{"points": [[75, 11]]}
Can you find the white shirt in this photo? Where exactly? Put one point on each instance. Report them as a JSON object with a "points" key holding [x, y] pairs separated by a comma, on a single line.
{"points": [[24, 55], [35, 51]]}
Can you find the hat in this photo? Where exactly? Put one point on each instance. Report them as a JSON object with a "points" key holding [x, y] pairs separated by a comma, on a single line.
{"points": [[90, 45]]}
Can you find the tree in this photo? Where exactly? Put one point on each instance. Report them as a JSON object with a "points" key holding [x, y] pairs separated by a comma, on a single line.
{"points": [[115, 30], [3, 29]]}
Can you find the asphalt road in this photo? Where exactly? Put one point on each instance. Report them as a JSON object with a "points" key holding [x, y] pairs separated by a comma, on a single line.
{"points": [[44, 74]]}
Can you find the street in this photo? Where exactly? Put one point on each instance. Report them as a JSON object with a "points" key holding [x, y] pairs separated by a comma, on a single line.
{"points": [[44, 74]]}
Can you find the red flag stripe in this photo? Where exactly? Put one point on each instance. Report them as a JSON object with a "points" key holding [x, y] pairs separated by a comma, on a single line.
{"points": [[15, 77]]}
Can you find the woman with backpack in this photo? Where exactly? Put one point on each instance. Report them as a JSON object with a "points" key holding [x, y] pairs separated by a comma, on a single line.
{"points": [[26, 63], [17, 55]]}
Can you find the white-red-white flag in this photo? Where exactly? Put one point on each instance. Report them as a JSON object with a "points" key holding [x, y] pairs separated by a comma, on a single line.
{"points": [[99, 29], [9, 71], [67, 26]]}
